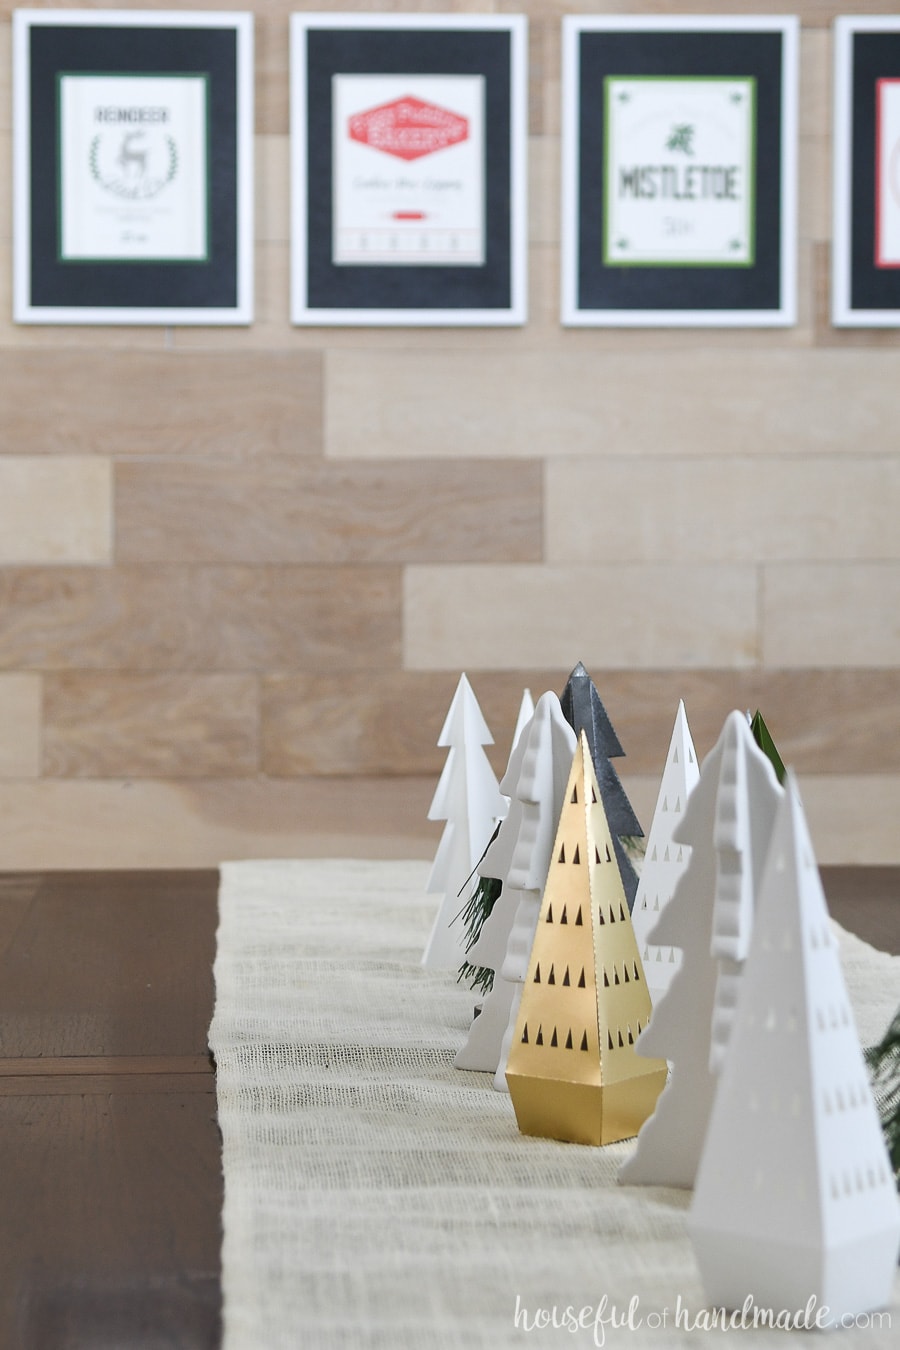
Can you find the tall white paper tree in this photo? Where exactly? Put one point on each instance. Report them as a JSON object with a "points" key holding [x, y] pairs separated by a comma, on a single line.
{"points": [[526, 712], [746, 806], [728, 824], [468, 799], [795, 1197], [539, 790], [482, 1047], [535, 781], [477, 914], [665, 860]]}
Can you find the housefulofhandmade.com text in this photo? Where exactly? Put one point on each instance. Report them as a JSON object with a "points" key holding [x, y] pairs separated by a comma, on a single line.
{"points": [[605, 1316]]}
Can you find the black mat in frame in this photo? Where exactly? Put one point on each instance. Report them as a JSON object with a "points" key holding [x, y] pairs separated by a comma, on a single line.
{"points": [[639, 52], [111, 50], [412, 51], [875, 56]]}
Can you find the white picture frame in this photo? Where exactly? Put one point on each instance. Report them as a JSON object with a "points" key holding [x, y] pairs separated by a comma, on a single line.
{"points": [[379, 237], [132, 167], [865, 253], [688, 279]]}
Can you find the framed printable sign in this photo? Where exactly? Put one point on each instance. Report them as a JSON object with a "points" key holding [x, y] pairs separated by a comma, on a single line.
{"points": [[133, 167], [408, 179], [679, 171], [866, 246]]}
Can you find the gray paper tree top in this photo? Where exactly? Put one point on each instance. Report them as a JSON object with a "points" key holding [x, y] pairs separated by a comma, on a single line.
{"points": [[584, 711]]}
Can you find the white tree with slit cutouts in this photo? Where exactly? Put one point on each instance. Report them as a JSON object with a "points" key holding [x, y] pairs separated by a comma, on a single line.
{"points": [[795, 1196], [468, 799], [665, 859], [728, 824]]}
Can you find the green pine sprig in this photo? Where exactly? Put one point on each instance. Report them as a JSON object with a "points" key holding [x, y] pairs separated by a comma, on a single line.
{"points": [[883, 1061], [763, 738], [635, 845], [475, 913]]}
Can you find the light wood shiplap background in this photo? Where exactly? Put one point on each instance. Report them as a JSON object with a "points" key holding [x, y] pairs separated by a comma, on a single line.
{"points": [[241, 569]]}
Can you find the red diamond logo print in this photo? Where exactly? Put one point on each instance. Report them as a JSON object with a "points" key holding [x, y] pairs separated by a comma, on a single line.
{"points": [[408, 128]]}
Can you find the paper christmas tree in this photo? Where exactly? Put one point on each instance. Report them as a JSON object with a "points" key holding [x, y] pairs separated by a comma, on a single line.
{"points": [[584, 711], [482, 1047], [795, 1197], [521, 854], [727, 824], [572, 1071], [468, 799], [477, 973], [526, 712], [665, 860], [746, 806]]}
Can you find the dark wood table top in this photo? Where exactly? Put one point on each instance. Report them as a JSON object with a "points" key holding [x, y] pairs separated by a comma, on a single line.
{"points": [[109, 1148], [110, 1152]]}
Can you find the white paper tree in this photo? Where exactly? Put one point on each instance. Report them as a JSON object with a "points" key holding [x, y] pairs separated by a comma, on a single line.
{"points": [[728, 824], [520, 858], [468, 799], [539, 790], [665, 860], [482, 1048], [746, 805], [795, 1197], [490, 946], [526, 712]]}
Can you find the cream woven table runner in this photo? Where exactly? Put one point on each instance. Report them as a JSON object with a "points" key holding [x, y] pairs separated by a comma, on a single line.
{"points": [[377, 1197]]}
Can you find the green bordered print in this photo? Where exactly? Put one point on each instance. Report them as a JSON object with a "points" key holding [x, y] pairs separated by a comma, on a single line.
{"points": [[125, 179], [672, 196]]}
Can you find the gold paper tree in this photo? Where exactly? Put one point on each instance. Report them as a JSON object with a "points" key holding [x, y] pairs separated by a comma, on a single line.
{"points": [[573, 1073]]}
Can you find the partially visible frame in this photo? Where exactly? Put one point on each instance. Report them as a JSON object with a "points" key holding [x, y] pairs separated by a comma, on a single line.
{"points": [[408, 169], [679, 171], [866, 209], [132, 167]]}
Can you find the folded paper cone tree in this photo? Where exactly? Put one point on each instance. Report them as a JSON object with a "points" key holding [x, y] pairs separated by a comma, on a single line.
{"points": [[572, 1071], [795, 1196]]}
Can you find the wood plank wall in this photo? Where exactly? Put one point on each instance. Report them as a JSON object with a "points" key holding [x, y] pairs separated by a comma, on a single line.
{"points": [[240, 570]]}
